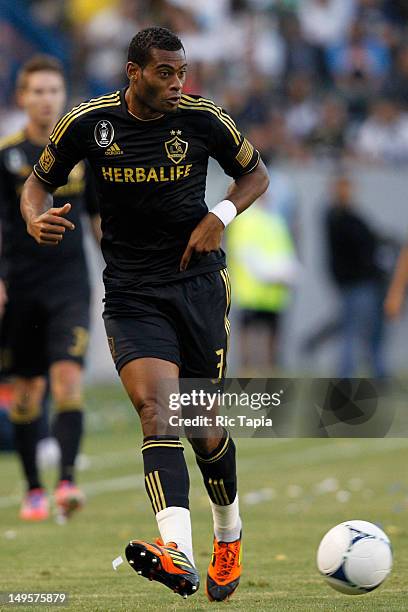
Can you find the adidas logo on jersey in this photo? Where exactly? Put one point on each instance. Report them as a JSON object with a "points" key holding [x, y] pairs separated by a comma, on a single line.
{"points": [[114, 149]]}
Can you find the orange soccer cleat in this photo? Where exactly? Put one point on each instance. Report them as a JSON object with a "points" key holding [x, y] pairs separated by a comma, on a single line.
{"points": [[68, 498], [35, 506], [165, 564], [224, 571]]}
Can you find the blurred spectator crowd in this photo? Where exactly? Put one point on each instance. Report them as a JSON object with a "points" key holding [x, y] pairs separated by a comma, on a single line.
{"points": [[304, 79]]}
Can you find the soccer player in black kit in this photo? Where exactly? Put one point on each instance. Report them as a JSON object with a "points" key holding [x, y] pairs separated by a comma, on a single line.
{"points": [[167, 288], [46, 319]]}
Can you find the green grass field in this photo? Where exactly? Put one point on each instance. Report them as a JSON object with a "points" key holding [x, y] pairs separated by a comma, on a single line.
{"points": [[292, 492]]}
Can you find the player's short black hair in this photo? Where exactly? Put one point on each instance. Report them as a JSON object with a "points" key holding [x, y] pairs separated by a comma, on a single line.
{"points": [[152, 38]]}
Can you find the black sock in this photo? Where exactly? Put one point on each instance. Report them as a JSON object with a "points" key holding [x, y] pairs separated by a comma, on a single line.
{"points": [[68, 427], [26, 440], [166, 476], [219, 472]]}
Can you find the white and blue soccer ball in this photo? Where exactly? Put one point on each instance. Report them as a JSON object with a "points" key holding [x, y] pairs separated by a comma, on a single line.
{"points": [[355, 557]]}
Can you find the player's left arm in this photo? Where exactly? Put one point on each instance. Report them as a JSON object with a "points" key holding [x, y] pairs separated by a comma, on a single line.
{"points": [[243, 192], [249, 187], [46, 223], [240, 160]]}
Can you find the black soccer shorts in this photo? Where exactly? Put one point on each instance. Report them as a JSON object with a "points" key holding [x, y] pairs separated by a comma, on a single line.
{"points": [[184, 322], [39, 329]]}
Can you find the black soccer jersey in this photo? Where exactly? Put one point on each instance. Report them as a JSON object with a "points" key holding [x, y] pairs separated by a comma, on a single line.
{"points": [[24, 263], [151, 178]]}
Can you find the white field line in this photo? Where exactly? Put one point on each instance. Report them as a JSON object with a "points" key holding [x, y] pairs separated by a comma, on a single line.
{"points": [[346, 449]]}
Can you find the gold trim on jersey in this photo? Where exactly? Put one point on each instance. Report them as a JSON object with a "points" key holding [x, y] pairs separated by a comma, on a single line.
{"points": [[81, 109], [12, 139], [41, 178], [210, 103], [203, 104], [83, 112], [213, 110], [245, 153], [106, 97], [82, 105], [258, 159]]}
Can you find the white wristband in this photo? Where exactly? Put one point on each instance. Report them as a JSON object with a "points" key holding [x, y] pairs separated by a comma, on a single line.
{"points": [[226, 211]]}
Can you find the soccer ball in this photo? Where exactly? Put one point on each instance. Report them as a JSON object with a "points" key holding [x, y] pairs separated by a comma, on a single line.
{"points": [[355, 557]]}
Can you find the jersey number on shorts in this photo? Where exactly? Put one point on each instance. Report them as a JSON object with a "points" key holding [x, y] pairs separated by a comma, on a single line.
{"points": [[220, 364]]}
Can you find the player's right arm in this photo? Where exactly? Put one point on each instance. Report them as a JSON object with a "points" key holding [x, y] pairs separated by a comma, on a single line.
{"points": [[45, 223], [399, 283], [239, 160]]}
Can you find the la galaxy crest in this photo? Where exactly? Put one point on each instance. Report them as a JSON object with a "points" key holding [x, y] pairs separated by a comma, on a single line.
{"points": [[176, 148], [104, 133]]}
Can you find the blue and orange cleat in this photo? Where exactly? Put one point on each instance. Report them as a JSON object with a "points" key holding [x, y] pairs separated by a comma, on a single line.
{"points": [[224, 571], [35, 506], [165, 564], [68, 498]]}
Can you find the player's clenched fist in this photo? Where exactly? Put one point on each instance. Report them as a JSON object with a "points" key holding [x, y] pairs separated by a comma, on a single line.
{"points": [[206, 238], [49, 227]]}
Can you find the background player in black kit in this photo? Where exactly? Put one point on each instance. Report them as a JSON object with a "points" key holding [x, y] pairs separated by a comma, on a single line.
{"points": [[45, 327], [167, 288]]}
